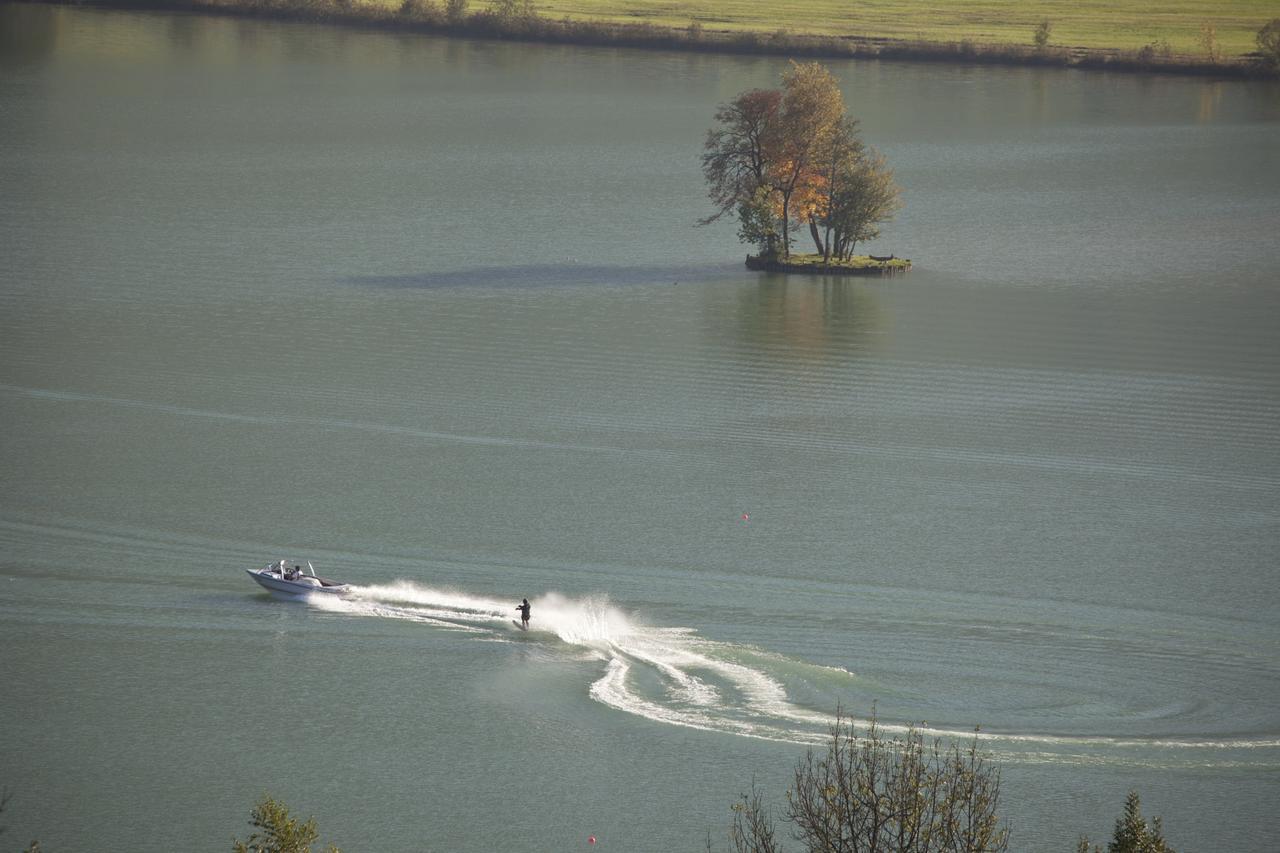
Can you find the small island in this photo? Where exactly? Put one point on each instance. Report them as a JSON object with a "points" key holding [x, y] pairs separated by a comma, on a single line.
{"points": [[788, 161], [817, 265]]}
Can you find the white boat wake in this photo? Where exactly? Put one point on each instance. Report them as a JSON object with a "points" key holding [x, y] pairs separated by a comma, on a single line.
{"points": [[674, 676], [669, 675]]}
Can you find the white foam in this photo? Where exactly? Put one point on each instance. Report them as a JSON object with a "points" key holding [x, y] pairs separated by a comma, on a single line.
{"points": [[675, 677], [591, 621], [405, 592]]}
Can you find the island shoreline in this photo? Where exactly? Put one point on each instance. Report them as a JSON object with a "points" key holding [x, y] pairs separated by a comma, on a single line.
{"points": [[813, 265]]}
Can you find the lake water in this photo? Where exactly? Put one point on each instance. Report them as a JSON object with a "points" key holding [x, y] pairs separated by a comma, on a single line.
{"points": [[433, 314]]}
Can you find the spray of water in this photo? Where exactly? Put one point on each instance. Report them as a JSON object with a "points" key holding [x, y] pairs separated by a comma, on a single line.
{"points": [[674, 676], [669, 675]]}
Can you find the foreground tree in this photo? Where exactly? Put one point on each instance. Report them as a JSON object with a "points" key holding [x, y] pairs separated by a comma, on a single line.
{"points": [[874, 794], [1132, 833], [276, 832], [791, 156]]}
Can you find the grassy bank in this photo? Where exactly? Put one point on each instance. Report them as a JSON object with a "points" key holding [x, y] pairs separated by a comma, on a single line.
{"points": [[1123, 25], [813, 265], [1086, 34]]}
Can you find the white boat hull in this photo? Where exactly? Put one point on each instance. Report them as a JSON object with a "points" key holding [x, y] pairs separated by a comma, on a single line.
{"points": [[304, 585]]}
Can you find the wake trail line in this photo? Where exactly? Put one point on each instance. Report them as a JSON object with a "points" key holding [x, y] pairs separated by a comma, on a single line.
{"points": [[322, 423], [674, 676]]}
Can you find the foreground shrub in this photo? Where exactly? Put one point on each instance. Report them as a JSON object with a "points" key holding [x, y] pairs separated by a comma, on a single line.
{"points": [[276, 832], [875, 794]]}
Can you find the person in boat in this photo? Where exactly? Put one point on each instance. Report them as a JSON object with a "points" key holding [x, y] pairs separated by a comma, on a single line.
{"points": [[523, 607]]}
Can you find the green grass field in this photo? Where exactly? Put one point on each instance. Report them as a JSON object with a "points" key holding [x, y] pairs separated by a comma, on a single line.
{"points": [[1123, 24]]}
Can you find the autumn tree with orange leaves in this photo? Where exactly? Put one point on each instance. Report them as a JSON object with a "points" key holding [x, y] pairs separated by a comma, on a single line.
{"points": [[791, 156]]}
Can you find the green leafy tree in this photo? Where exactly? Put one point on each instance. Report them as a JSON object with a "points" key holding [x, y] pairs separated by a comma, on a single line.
{"points": [[875, 794], [455, 11], [1040, 38], [421, 10], [865, 197], [276, 832], [758, 226], [1133, 834], [850, 197], [512, 10], [1268, 39]]}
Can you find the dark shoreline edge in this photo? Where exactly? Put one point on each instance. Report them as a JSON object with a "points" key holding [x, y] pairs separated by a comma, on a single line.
{"points": [[416, 17], [812, 265]]}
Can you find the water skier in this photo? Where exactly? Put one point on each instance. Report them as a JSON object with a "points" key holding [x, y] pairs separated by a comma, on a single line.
{"points": [[523, 607]]}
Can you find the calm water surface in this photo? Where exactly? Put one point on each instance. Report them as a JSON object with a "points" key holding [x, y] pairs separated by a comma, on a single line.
{"points": [[433, 315]]}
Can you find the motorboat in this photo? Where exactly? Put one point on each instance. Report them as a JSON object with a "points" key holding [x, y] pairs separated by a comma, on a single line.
{"points": [[293, 580]]}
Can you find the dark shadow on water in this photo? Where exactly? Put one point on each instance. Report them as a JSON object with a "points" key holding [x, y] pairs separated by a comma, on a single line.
{"points": [[549, 275]]}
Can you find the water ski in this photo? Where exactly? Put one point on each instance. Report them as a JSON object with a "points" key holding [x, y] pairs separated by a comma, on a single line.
{"points": [[520, 625]]}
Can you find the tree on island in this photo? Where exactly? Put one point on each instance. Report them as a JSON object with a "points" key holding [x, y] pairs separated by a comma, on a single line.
{"points": [[850, 196], [791, 156]]}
